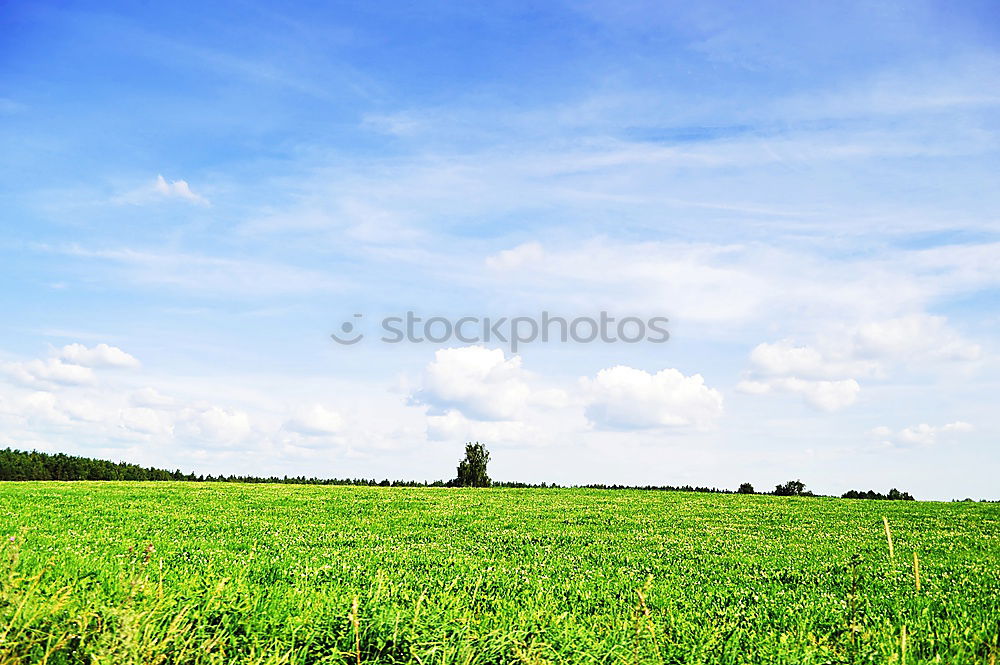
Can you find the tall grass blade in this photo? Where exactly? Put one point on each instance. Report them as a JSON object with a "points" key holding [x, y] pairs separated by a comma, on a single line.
{"points": [[888, 536]]}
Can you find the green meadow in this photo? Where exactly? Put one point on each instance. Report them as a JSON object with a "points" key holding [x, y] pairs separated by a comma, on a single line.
{"points": [[122, 573]]}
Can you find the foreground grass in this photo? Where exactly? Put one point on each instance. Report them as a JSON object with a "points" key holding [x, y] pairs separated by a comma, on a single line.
{"points": [[123, 573]]}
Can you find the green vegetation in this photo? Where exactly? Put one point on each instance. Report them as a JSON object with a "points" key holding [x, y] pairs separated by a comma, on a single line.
{"points": [[893, 495], [792, 488], [121, 573], [472, 469], [22, 465]]}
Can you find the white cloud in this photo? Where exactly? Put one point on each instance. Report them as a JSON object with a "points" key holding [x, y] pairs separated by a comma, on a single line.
{"points": [[825, 374], [315, 420], [146, 421], [84, 410], [824, 395], [479, 382], [41, 406], [453, 426], [785, 358], [718, 287], [529, 253], [158, 190], [920, 435], [49, 372], [214, 424], [151, 397], [73, 365], [625, 397], [920, 336], [476, 393], [101, 355], [828, 395], [697, 283], [177, 189]]}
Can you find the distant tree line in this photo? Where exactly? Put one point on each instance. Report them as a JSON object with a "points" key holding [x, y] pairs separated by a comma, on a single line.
{"points": [[798, 488], [471, 472], [659, 488], [19, 465], [792, 488], [34, 465], [893, 495]]}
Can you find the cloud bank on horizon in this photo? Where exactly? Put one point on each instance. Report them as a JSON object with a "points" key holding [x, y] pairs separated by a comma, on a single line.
{"points": [[195, 197]]}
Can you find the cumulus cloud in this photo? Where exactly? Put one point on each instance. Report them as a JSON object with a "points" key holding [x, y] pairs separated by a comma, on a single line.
{"points": [[73, 365], [60, 400], [177, 189], [315, 420], [785, 358], [160, 189], [49, 372], [41, 406], [826, 373], [44, 407], [476, 393], [146, 421], [214, 424], [623, 397], [101, 355], [920, 435], [94, 414], [821, 377], [479, 382], [202, 424]]}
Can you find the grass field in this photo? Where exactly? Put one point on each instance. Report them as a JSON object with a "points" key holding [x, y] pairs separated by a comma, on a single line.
{"points": [[218, 573]]}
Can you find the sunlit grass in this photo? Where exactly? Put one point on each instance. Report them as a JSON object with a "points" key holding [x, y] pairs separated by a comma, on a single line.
{"points": [[192, 573]]}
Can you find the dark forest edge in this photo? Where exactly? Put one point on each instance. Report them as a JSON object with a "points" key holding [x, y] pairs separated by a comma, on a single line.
{"points": [[18, 465]]}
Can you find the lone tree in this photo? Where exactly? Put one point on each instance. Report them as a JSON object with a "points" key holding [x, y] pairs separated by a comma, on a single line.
{"points": [[472, 470], [745, 488]]}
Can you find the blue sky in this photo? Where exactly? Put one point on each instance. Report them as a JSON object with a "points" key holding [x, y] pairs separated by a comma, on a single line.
{"points": [[194, 197]]}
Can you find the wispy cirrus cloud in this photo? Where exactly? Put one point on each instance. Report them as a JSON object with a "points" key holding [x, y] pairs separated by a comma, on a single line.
{"points": [[201, 273]]}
